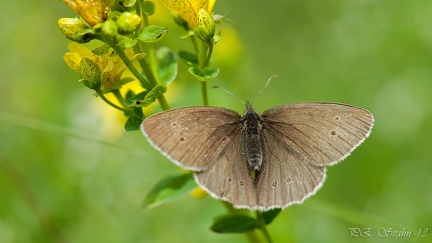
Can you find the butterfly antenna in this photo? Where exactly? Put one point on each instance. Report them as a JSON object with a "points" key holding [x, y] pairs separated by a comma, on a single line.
{"points": [[219, 87], [268, 81]]}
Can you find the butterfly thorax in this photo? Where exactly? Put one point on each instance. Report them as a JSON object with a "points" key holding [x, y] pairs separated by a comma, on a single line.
{"points": [[253, 139]]}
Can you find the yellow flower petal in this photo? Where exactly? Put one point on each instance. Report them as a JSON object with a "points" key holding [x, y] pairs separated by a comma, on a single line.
{"points": [[197, 5], [92, 11], [211, 6], [111, 65], [184, 8], [72, 60], [80, 49]]}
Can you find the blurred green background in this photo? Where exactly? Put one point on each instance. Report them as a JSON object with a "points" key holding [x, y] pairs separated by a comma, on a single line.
{"points": [[89, 177]]}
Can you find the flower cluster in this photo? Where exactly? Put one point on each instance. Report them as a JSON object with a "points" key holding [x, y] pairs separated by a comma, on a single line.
{"points": [[123, 39], [125, 32]]}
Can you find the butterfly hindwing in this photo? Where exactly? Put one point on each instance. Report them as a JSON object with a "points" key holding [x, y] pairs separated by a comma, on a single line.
{"points": [[284, 178], [228, 176]]}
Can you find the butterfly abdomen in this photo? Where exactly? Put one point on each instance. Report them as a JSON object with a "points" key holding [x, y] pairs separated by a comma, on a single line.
{"points": [[253, 140]]}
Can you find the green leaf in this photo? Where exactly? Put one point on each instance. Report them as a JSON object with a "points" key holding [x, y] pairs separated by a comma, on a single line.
{"points": [[126, 80], [188, 57], [129, 3], [132, 99], [151, 96], [126, 42], [239, 223], [86, 83], [169, 189], [215, 39], [152, 33], [97, 26], [270, 215], [167, 65], [188, 34], [113, 14], [135, 118], [204, 75], [103, 49], [129, 95]]}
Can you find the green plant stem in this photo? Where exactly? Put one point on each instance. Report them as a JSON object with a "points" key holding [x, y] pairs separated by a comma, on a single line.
{"points": [[152, 78], [202, 53], [262, 226], [99, 92], [146, 69], [119, 97], [201, 49], [152, 71], [209, 53], [150, 47], [153, 60], [204, 93], [113, 43]]}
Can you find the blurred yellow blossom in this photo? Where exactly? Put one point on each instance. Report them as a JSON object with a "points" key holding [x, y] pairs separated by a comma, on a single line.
{"points": [[92, 11], [110, 65], [188, 9], [198, 193]]}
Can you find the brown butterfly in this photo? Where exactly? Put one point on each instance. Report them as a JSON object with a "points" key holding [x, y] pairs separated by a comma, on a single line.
{"points": [[259, 162]]}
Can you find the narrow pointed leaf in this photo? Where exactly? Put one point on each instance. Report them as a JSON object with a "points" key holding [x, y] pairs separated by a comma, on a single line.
{"points": [[169, 189], [152, 33], [126, 42], [234, 224], [270, 215], [151, 96], [188, 57]]}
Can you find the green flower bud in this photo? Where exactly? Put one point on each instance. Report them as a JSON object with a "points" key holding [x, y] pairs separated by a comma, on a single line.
{"points": [[90, 73], [149, 7], [110, 28], [128, 22], [205, 26], [73, 29]]}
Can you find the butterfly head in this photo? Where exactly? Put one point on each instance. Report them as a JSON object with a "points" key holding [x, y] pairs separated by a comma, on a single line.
{"points": [[251, 118]]}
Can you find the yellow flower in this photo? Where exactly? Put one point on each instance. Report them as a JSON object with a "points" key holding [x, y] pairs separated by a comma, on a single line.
{"points": [[198, 193], [92, 11], [110, 65], [188, 9]]}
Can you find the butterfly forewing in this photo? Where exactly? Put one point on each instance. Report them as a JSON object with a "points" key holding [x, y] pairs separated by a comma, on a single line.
{"points": [[192, 136], [320, 133]]}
